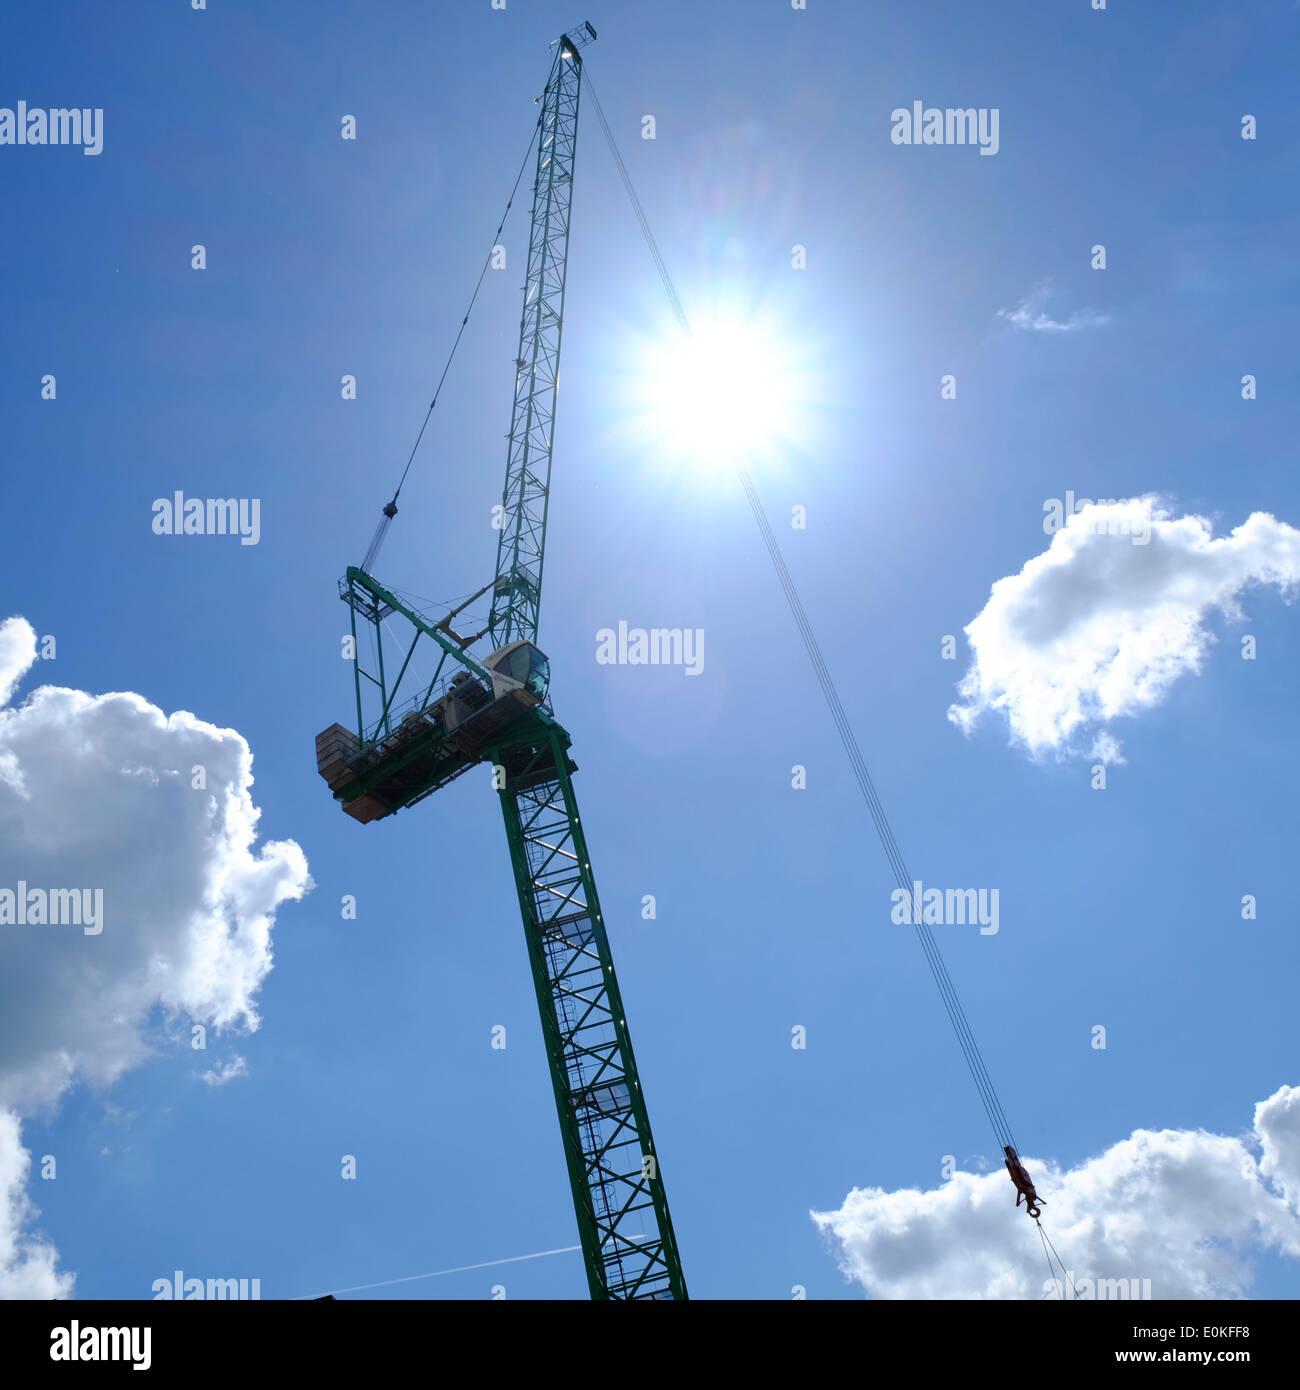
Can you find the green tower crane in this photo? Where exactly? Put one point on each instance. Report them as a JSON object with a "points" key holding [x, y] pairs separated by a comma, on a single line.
{"points": [[414, 737]]}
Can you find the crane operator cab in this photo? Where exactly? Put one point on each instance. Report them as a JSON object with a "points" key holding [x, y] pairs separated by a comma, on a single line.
{"points": [[520, 663], [520, 677]]}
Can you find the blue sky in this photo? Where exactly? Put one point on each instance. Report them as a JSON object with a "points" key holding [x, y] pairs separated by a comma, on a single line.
{"points": [[327, 257]]}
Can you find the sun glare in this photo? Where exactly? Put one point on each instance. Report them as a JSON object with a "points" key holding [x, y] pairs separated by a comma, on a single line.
{"points": [[720, 395]]}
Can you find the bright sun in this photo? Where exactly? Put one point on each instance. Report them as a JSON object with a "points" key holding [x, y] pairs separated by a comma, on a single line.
{"points": [[719, 396]]}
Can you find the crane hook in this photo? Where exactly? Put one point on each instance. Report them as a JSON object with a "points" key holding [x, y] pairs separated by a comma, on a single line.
{"points": [[1024, 1183]]}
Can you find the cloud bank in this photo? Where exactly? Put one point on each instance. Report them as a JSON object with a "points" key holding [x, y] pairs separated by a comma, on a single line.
{"points": [[99, 792], [1186, 1209]]}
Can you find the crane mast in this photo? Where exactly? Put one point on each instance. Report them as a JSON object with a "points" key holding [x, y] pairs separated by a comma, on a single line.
{"points": [[495, 711], [624, 1225], [623, 1220]]}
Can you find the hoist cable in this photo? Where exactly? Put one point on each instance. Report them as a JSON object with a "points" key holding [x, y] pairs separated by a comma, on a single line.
{"points": [[1051, 1269], [390, 510], [637, 210], [943, 981], [947, 992], [1068, 1281]]}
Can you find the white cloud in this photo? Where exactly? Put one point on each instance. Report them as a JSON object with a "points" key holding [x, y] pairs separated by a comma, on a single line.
{"points": [[1186, 1209], [17, 652], [1277, 1121], [27, 1260], [1101, 624], [96, 793], [227, 1071], [1031, 315]]}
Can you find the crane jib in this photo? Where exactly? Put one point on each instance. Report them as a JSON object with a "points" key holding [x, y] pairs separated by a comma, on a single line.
{"points": [[525, 496]]}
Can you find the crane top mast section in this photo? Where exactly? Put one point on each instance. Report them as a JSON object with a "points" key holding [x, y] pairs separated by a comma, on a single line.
{"points": [[517, 592]]}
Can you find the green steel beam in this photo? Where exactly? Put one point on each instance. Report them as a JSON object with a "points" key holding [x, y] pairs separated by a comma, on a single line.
{"points": [[368, 598], [628, 1245]]}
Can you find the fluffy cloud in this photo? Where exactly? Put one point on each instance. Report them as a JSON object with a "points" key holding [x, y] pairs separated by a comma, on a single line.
{"points": [[27, 1262], [1183, 1208], [1030, 314], [1109, 616], [96, 793], [17, 652], [1277, 1122]]}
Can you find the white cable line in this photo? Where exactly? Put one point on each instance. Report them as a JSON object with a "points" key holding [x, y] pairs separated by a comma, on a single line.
{"points": [[437, 1273]]}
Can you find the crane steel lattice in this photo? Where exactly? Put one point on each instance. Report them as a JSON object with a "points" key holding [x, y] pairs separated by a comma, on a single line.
{"points": [[520, 547], [495, 711]]}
